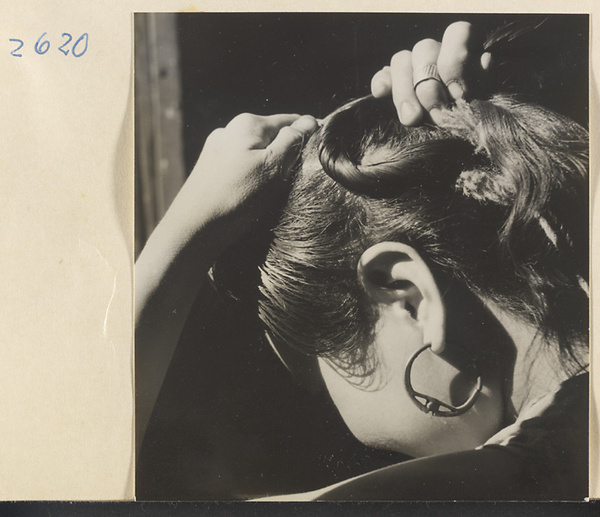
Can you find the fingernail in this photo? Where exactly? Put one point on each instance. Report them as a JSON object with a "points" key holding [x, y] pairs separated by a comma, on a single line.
{"points": [[408, 113], [456, 90]]}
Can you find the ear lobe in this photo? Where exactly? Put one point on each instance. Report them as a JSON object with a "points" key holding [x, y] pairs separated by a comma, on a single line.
{"points": [[390, 272]]}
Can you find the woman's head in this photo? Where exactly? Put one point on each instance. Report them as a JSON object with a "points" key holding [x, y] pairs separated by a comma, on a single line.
{"points": [[493, 203], [496, 200]]}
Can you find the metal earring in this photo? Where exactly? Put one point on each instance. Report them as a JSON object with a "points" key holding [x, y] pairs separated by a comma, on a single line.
{"points": [[432, 405]]}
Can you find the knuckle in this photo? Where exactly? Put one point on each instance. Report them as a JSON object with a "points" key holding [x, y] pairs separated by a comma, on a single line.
{"points": [[430, 94], [215, 134], [291, 134], [428, 89], [381, 73], [447, 72], [450, 78], [425, 45], [243, 117], [289, 131], [245, 121], [451, 66], [402, 58]]}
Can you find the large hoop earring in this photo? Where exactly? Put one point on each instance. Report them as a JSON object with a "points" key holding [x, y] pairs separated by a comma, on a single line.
{"points": [[429, 404]]}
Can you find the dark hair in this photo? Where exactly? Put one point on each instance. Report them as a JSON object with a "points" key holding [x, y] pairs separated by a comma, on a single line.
{"points": [[496, 199]]}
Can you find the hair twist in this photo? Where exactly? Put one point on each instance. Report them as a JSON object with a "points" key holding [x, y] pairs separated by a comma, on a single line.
{"points": [[424, 162]]}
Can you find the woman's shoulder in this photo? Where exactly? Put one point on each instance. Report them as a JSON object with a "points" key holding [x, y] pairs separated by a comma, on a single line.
{"points": [[562, 410], [542, 456], [551, 440]]}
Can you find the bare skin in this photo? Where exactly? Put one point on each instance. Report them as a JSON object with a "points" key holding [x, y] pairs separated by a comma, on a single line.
{"points": [[460, 60], [240, 175]]}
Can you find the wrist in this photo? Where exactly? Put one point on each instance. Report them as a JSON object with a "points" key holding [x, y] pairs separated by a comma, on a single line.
{"points": [[176, 257]]}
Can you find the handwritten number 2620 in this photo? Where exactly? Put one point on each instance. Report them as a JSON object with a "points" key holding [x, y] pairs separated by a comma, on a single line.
{"points": [[42, 45]]}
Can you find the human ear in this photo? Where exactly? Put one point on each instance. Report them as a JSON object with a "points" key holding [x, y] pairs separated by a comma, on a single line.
{"points": [[391, 273]]}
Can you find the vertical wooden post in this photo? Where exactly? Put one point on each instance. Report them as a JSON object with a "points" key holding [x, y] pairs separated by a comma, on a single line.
{"points": [[159, 164]]}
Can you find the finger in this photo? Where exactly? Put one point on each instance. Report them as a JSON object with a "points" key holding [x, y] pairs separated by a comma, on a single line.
{"points": [[409, 109], [285, 148], [459, 61], [381, 84], [257, 131], [274, 123], [430, 92], [280, 120], [249, 122], [486, 61]]}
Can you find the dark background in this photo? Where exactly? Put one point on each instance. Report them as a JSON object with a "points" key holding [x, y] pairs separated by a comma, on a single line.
{"points": [[229, 422], [312, 63]]}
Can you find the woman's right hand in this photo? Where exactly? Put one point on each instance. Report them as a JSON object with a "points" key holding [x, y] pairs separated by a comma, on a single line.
{"points": [[242, 171], [461, 63]]}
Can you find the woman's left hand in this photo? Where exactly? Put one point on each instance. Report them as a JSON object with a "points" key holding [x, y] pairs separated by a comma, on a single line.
{"points": [[460, 61]]}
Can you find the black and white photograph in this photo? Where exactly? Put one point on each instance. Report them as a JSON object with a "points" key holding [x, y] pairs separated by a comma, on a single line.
{"points": [[362, 257]]}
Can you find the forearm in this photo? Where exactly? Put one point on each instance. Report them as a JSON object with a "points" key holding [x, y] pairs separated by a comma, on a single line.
{"points": [[237, 180], [169, 272]]}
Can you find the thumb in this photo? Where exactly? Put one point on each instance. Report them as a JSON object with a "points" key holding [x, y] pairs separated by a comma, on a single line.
{"points": [[288, 142]]}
